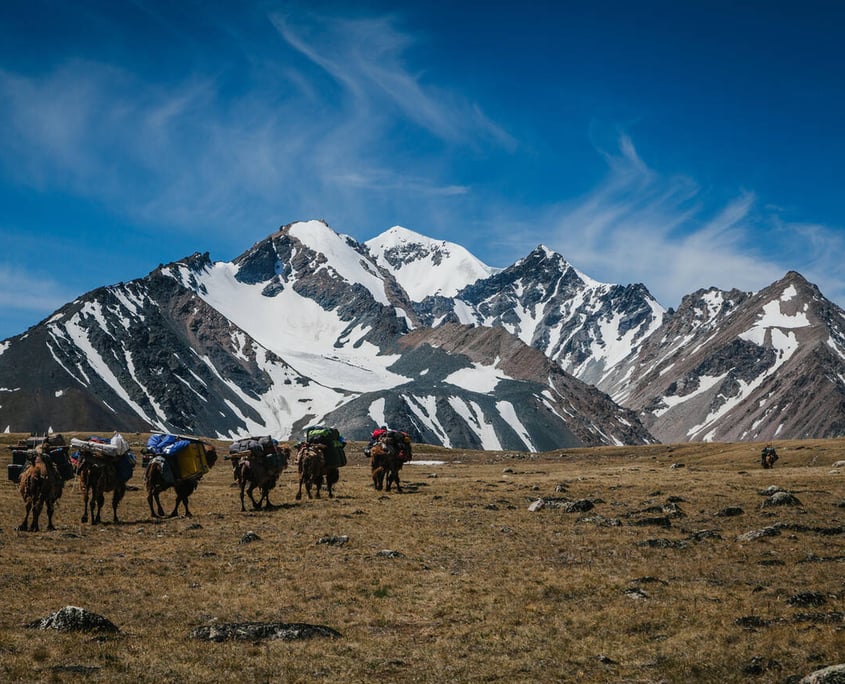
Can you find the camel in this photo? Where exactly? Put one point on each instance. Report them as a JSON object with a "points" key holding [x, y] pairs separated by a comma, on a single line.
{"points": [[385, 463], [253, 471], [41, 484], [98, 475], [312, 467], [387, 454], [155, 483]]}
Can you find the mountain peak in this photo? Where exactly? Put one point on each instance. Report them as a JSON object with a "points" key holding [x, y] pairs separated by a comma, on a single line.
{"points": [[424, 266]]}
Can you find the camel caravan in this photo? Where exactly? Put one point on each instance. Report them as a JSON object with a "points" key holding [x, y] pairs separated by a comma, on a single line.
{"points": [[42, 465]]}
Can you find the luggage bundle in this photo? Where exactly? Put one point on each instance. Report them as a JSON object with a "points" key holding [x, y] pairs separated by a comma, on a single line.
{"points": [[403, 441], [330, 437], [26, 451], [258, 448], [183, 456], [106, 452]]}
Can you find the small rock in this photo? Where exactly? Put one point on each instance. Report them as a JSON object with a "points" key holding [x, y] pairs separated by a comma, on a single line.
{"points": [[389, 553], [536, 505], [73, 619], [780, 499], [249, 537], [807, 598], [835, 674], [757, 534], [257, 631], [676, 466], [334, 541], [729, 512]]}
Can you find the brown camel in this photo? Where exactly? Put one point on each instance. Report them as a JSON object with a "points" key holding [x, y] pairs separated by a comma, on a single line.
{"points": [[262, 471], [98, 475], [155, 483], [41, 484], [312, 467]]}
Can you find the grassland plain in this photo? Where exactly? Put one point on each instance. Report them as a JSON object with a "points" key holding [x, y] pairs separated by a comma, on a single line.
{"points": [[658, 582]]}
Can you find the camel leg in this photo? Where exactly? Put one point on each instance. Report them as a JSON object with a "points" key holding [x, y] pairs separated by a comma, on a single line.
{"points": [[36, 512], [50, 509], [243, 489], [119, 492], [24, 526], [299, 493], [84, 505], [256, 506], [101, 499]]}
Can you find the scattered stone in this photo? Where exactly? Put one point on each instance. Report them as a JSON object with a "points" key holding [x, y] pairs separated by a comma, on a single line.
{"points": [[676, 499], [758, 534], [194, 526], [770, 562], [334, 540], [601, 521], [807, 598], [672, 510], [389, 553], [561, 488], [759, 665], [781, 499], [605, 660], [636, 594], [648, 579], [74, 619], [249, 537], [701, 535], [675, 466], [729, 512], [507, 470], [662, 543], [839, 464], [835, 674], [259, 631], [536, 505], [491, 507], [581, 506], [833, 618], [771, 489], [752, 621]]}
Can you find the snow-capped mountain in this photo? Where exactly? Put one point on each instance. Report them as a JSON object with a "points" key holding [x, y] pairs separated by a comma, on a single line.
{"points": [[306, 326], [586, 326], [733, 366], [311, 326], [426, 267]]}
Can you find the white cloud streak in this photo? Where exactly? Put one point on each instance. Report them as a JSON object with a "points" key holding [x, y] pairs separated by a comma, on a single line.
{"points": [[640, 226]]}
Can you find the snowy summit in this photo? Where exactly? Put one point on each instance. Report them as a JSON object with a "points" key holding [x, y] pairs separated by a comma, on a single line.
{"points": [[424, 266]]}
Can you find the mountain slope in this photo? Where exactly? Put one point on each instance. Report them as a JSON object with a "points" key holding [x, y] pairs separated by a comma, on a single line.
{"points": [[586, 326], [303, 327], [741, 366]]}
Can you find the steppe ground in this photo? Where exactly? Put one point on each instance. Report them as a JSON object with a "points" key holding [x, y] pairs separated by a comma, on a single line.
{"points": [[659, 582]]}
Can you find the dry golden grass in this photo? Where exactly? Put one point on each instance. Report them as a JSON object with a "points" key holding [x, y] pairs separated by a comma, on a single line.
{"points": [[484, 589]]}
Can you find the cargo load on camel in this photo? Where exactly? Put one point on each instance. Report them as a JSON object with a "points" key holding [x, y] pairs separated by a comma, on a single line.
{"points": [[334, 443], [181, 457], [258, 448], [112, 452]]}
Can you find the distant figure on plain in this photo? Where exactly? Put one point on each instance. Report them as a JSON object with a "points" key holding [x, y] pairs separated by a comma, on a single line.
{"points": [[768, 456]]}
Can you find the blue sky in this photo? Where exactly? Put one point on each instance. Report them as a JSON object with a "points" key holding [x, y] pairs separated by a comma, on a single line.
{"points": [[678, 144]]}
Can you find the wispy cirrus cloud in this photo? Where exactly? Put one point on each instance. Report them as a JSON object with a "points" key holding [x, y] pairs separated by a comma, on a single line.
{"points": [[668, 232], [196, 151]]}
